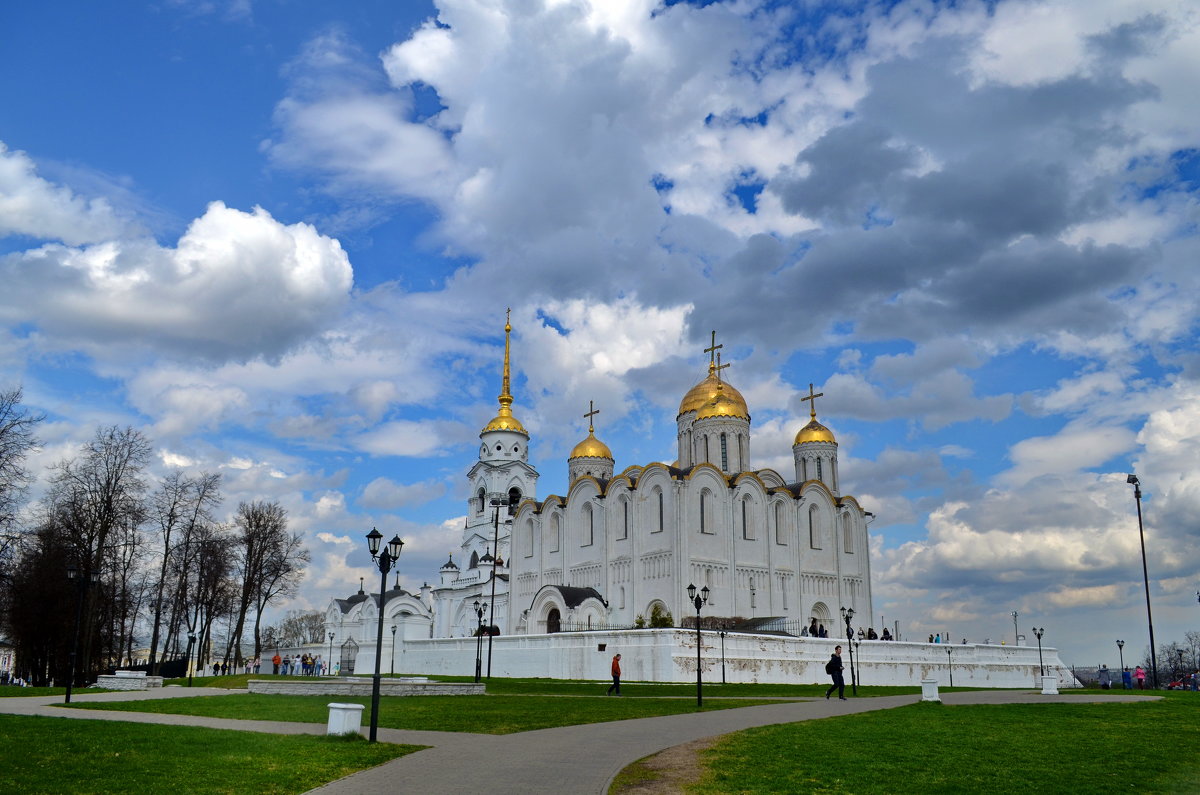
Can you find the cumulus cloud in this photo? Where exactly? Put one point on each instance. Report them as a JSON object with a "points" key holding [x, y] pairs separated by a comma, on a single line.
{"points": [[238, 285]]}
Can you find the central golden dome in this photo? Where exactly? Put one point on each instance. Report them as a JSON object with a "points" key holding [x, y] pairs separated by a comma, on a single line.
{"points": [[705, 391], [591, 447], [505, 421], [723, 405]]}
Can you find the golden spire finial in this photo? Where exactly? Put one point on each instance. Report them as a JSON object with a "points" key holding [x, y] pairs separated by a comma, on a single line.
{"points": [[711, 350], [592, 411], [812, 398], [506, 398]]}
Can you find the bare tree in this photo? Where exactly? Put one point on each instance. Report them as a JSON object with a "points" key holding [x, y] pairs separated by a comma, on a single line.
{"points": [[16, 441], [268, 565], [179, 505]]}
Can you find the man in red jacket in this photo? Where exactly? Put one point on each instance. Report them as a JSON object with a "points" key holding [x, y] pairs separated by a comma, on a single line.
{"points": [[616, 675]]}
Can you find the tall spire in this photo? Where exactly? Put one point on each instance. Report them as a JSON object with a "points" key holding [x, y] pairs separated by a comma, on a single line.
{"points": [[506, 398], [504, 419]]}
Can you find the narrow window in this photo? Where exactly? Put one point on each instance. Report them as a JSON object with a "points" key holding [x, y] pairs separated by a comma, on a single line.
{"points": [[780, 531], [707, 456], [724, 454], [625, 519], [482, 500], [847, 534], [814, 530], [660, 511], [745, 527], [704, 512], [588, 526], [819, 475], [527, 530], [554, 533], [803, 469]]}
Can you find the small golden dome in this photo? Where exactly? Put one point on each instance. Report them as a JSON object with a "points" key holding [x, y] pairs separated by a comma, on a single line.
{"points": [[505, 421], [706, 390], [591, 447], [814, 432], [723, 404]]}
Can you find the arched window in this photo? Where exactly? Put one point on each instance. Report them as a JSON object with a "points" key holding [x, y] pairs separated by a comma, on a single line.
{"points": [[661, 523], [814, 528], [724, 454], [707, 456], [780, 528], [482, 497], [803, 469], [554, 533], [705, 510], [527, 532], [514, 499], [474, 560], [820, 476], [624, 518], [553, 621], [746, 534], [847, 534], [589, 526]]}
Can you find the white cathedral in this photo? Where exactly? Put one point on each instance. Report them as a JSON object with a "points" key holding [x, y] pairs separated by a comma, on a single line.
{"points": [[619, 548]]}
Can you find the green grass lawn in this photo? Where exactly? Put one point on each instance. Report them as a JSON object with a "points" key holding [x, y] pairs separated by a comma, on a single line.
{"points": [[26, 692], [1059, 748], [480, 714], [83, 756]]}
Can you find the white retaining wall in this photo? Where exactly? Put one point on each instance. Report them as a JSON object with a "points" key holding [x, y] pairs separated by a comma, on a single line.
{"points": [[669, 655]]}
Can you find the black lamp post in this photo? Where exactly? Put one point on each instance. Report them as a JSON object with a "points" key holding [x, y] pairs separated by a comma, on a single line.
{"points": [[331, 654], [496, 503], [847, 615], [950, 662], [1179, 653], [480, 609], [1121, 651], [384, 560], [1039, 631], [1016, 633], [1137, 496], [81, 584], [191, 643], [699, 600], [722, 633], [393, 650], [858, 651]]}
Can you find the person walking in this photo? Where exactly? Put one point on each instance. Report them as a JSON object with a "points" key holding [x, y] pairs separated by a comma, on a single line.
{"points": [[1139, 674], [275, 661], [1127, 679], [834, 669], [616, 675]]}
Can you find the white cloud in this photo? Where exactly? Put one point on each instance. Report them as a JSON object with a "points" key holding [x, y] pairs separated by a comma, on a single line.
{"points": [[385, 493]]}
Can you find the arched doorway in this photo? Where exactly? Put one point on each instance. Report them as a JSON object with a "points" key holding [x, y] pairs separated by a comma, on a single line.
{"points": [[349, 654], [553, 620]]}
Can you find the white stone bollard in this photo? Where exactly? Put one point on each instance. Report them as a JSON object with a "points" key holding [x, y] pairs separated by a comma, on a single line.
{"points": [[344, 718], [1049, 685], [929, 690]]}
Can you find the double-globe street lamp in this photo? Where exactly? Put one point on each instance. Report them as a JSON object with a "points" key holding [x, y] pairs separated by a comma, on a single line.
{"points": [[384, 560], [393, 650], [496, 504], [1137, 497], [82, 585], [847, 616], [480, 609], [1039, 631], [331, 654], [699, 600], [1121, 651]]}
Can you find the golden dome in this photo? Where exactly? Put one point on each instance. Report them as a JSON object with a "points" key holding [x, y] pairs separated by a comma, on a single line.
{"points": [[706, 390], [591, 447], [723, 404], [505, 421], [815, 432]]}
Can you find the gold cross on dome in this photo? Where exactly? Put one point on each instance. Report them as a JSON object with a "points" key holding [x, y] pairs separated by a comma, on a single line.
{"points": [[592, 411], [812, 396], [711, 350], [718, 367]]}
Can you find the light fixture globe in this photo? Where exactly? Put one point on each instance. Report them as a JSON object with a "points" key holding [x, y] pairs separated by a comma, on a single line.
{"points": [[373, 539], [691, 589], [394, 547]]}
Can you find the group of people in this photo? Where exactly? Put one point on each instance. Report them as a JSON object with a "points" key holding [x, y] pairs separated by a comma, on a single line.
{"points": [[300, 665], [224, 668], [817, 630]]}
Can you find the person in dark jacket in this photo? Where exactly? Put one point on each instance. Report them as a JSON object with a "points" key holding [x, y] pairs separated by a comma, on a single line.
{"points": [[834, 669], [616, 675]]}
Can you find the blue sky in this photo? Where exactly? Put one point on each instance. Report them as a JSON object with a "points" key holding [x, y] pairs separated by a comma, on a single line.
{"points": [[280, 238]]}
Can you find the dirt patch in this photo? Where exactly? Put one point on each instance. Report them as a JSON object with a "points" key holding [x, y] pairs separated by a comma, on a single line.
{"points": [[666, 772]]}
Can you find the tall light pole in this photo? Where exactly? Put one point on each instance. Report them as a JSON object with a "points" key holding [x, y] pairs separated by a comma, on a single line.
{"points": [[191, 641], [1039, 631], [1016, 633], [950, 662], [496, 503], [393, 650], [331, 654], [847, 615], [479, 611], [82, 584], [699, 600], [1137, 496], [384, 560], [722, 634], [1121, 651]]}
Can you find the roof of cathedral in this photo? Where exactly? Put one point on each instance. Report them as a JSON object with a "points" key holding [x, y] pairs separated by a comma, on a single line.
{"points": [[574, 596], [450, 564], [504, 419]]}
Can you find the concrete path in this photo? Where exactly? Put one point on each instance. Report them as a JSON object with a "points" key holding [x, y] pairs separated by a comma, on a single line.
{"points": [[577, 759]]}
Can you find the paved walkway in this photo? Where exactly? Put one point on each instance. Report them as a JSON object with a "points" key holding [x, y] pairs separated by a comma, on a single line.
{"points": [[578, 759]]}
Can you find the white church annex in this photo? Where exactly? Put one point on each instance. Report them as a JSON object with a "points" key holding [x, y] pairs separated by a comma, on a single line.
{"points": [[566, 579]]}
